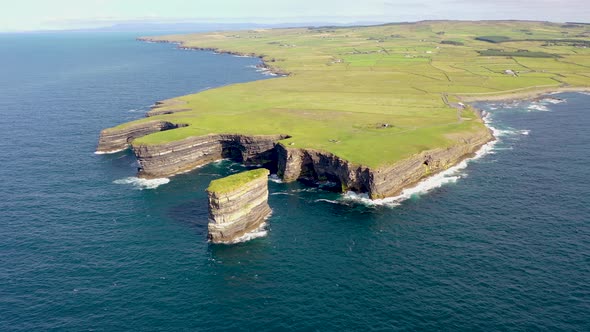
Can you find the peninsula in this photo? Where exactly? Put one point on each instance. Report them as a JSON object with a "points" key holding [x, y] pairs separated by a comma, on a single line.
{"points": [[373, 108]]}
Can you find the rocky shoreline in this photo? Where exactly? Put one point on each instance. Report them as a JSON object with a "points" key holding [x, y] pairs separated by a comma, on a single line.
{"points": [[290, 164], [264, 64]]}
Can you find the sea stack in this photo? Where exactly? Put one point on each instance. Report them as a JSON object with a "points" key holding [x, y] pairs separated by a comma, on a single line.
{"points": [[238, 204]]}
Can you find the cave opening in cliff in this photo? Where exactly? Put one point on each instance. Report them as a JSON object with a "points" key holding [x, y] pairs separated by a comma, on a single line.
{"points": [[232, 152]]}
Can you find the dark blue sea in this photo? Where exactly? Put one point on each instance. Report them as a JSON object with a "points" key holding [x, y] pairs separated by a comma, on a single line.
{"points": [[504, 245]]}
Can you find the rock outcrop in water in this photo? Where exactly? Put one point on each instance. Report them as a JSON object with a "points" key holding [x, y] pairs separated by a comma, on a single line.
{"points": [[238, 204]]}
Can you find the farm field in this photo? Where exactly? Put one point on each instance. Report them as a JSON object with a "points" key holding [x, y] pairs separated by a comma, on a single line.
{"points": [[375, 95]]}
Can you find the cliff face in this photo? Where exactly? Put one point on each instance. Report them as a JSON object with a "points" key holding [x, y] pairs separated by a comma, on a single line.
{"points": [[238, 211], [382, 182], [289, 163], [112, 140], [294, 164], [179, 156], [390, 181]]}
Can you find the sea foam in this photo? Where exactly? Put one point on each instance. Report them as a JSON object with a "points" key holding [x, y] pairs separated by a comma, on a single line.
{"points": [[275, 178], [109, 152], [141, 184], [257, 233], [537, 107], [450, 175]]}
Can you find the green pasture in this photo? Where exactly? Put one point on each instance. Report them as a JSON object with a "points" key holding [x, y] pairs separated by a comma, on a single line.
{"points": [[375, 95]]}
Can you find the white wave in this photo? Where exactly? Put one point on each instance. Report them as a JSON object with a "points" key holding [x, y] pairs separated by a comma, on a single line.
{"points": [[327, 201], [257, 233], [511, 132], [553, 100], [218, 162], [110, 151], [305, 190], [275, 178], [538, 107], [263, 70], [282, 193], [436, 181], [140, 184]]}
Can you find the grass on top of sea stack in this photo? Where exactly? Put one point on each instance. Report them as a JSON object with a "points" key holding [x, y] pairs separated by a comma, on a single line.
{"points": [[236, 181], [375, 95]]}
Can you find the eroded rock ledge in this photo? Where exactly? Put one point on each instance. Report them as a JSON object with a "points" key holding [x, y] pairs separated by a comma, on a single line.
{"points": [[163, 160], [238, 204], [289, 163], [113, 139]]}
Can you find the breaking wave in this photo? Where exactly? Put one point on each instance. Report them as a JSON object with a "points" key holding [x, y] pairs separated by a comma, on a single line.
{"points": [[282, 193], [450, 175], [263, 70], [110, 151], [275, 178], [553, 100], [141, 184], [331, 201], [537, 107], [257, 233]]}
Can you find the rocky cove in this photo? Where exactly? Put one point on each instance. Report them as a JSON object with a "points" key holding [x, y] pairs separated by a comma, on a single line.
{"points": [[288, 162]]}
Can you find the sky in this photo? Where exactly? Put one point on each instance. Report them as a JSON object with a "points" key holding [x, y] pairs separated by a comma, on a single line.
{"points": [[27, 15]]}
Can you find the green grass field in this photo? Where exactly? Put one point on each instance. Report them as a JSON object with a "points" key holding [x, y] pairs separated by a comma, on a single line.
{"points": [[344, 84], [235, 181]]}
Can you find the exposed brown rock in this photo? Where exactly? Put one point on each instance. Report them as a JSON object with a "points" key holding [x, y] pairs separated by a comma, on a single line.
{"points": [[290, 163], [112, 139], [234, 213], [294, 164], [180, 156]]}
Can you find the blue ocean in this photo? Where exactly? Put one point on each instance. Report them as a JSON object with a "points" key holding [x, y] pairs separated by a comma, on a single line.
{"points": [[502, 244]]}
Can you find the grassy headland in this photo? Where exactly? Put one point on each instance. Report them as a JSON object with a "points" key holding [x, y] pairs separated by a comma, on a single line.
{"points": [[378, 94]]}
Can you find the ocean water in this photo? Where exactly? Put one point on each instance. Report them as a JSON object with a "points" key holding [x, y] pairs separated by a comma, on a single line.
{"points": [[503, 245]]}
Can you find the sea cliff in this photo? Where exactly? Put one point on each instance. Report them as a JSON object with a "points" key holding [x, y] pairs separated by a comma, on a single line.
{"points": [[116, 139], [163, 160], [290, 163], [295, 164], [238, 204]]}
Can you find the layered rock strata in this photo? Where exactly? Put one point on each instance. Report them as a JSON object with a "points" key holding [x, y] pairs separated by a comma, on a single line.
{"points": [[169, 106], [113, 139], [294, 164], [239, 209], [289, 163], [179, 156]]}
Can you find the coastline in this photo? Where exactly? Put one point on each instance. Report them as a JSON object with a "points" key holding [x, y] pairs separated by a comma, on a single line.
{"points": [[441, 171], [181, 45], [433, 181], [519, 94]]}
